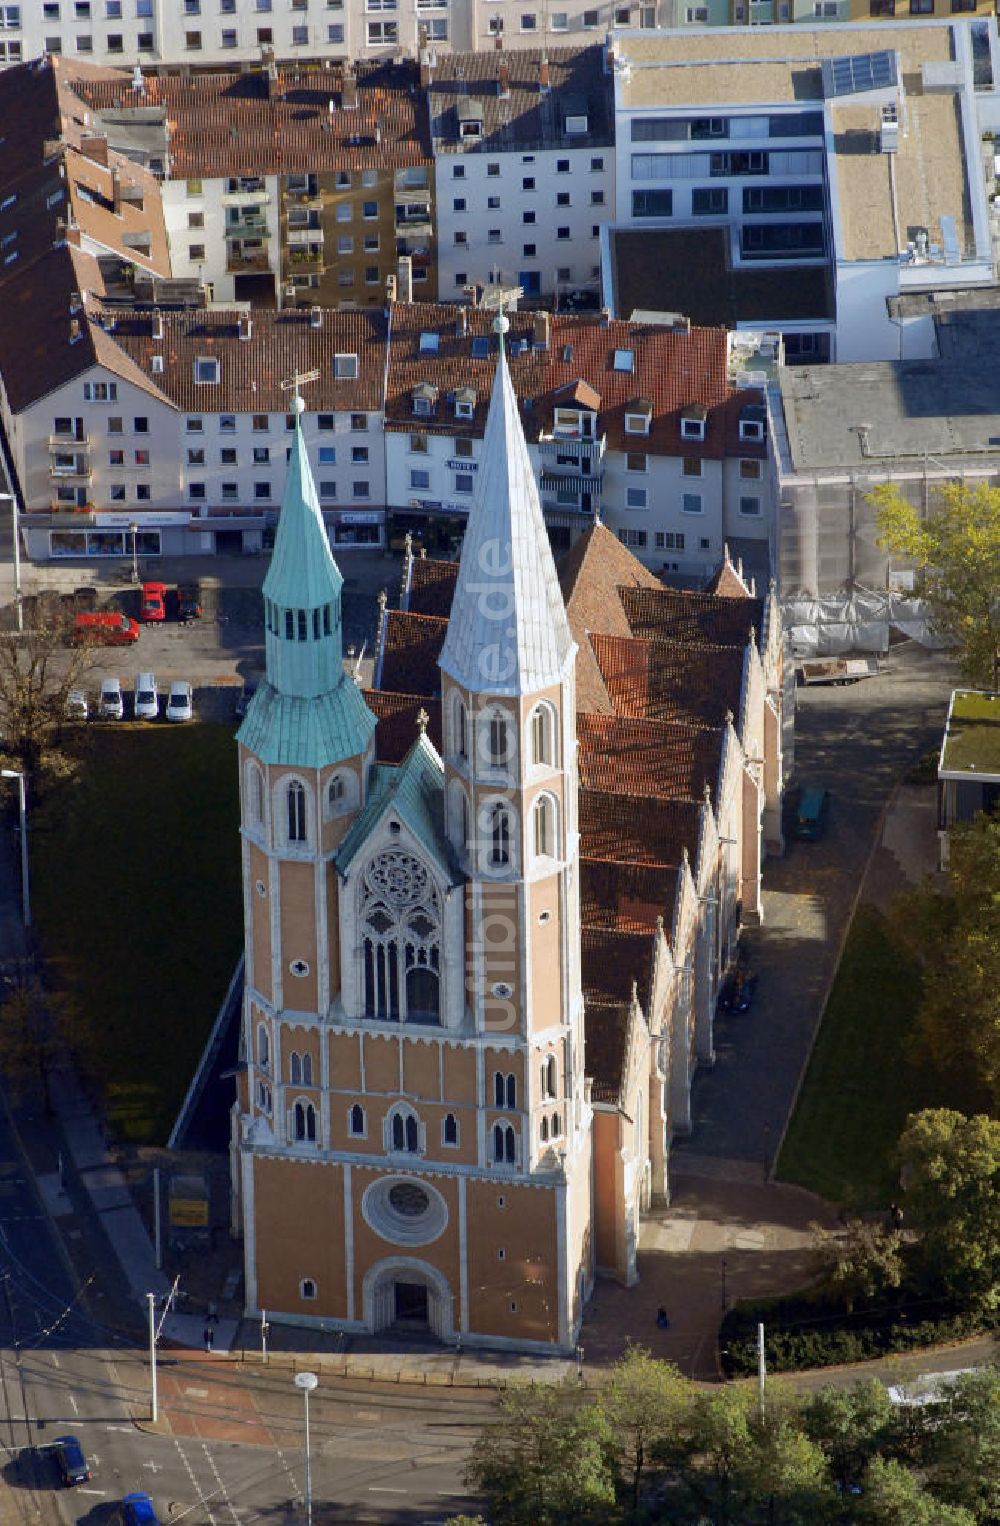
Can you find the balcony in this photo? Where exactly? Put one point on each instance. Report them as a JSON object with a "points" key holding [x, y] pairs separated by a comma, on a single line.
{"points": [[576, 449], [413, 227], [69, 442], [257, 228], [78, 472], [237, 261], [244, 198], [304, 236], [301, 261]]}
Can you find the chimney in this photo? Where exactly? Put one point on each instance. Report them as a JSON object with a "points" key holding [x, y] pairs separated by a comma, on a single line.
{"points": [[246, 326], [116, 192], [605, 317], [390, 288], [425, 69], [157, 325], [138, 84], [462, 324], [349, 90], [542, 331], [503, 80], [95, 147], [75, 331], [315, 317], [405, 281], [543, 76], [75, 303]]}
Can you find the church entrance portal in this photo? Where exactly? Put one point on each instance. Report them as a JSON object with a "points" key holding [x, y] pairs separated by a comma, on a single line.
{"points": [[411, 1306]]}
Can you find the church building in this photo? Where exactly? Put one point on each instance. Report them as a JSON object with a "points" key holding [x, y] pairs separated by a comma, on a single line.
{"points": [[414, 1129]]}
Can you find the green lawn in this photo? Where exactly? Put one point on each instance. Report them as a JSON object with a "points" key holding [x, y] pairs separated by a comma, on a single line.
{"points": [[137, 900], [861, 1083]]}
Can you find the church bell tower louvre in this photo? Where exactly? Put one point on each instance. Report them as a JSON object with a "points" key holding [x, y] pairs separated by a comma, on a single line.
{"points": [[412, 1139]]}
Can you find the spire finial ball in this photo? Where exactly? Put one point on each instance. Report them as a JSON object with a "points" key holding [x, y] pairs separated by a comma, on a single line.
{"points": [[298, 404], [501, 323]]}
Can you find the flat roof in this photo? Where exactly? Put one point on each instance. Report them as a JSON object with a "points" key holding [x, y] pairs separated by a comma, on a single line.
{"points": [[687, 270], [772, 67], [972, 735], [879, 414]]}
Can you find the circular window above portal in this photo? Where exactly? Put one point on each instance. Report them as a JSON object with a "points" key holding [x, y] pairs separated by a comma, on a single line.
{"points": [[405, 1211]]}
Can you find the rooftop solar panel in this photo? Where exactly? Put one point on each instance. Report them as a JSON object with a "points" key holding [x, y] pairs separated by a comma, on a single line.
{"points": [[855, 73]]}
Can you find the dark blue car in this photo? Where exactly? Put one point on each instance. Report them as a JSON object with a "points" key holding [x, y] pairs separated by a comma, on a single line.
{"points": [[137, 1510], [70, 1461]]}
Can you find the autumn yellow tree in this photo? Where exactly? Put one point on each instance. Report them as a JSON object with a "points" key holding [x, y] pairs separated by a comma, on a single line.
{"points": [[956, 550]]}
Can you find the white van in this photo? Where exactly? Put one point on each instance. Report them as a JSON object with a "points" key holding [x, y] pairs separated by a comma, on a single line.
{"points": [[147, 700], [111, 706]]}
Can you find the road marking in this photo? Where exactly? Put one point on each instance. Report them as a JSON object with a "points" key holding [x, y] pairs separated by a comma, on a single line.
{"points": [[76, 1407], [55, 1359], [196, 1393], [82, 1490], [218, 1478], [385, 1489], [154, 1467], [198, 1491], [126, 1428]]}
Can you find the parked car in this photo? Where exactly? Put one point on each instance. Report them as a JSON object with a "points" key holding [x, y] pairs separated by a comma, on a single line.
{"points": [[105, 628], [70, 1461], [179, 702], [77, 708], [111, 706], [153, 604], [188, 602], [244, 697], [738, 990], [138, 1510], [811, 814], [146, 705]]}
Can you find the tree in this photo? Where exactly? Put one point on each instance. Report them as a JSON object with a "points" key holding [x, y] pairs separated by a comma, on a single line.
{"points": [[852, 1425], [954, 933], [962, 1454], [956, 547], [547, 1460], [860, 1260], [951, 1168], [28, 1034], [644, 1404], [38, 668], [893, 1496]]}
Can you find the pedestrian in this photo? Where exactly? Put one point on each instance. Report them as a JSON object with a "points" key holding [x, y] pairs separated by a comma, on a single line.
{"points": [[661, 1318], [209, 1338], [212, 1317]]}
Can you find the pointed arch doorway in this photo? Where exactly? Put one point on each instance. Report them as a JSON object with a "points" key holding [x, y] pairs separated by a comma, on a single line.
{"points": [[405, 1294]]}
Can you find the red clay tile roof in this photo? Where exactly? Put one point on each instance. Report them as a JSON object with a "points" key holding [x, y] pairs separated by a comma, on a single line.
{"points": [[612, 960], [410, 651], [637, 829], [671, 367], [640, 757], [397, 722], [231, 123], [432, 586], [606, 1026], [590, 575], [669, 681], [670, 614], [626, 897], [727, 583], [524, 117], [251, 371]]}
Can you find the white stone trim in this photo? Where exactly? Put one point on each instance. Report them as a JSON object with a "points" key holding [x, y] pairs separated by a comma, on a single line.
{"points": [[463, 1258], [249, 1236], [349, 1238]]}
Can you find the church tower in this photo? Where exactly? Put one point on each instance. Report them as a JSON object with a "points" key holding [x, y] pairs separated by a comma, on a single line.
{"points": [[413, 1132]]}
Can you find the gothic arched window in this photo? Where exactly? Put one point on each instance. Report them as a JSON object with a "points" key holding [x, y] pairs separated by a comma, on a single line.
{"points": [[401, 930], [504, 1089], [544, 820], [543, 731], [504, 1144], [404, 1131], [304, 1122], [295, 800], [499, 850], [499, 745], [356, 1120]]}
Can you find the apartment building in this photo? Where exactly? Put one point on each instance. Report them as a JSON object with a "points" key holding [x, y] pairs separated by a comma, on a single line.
{"points": [[284, 185], [524, 167], [699, 13], [638, 424], [854, 150], [216, 34]]}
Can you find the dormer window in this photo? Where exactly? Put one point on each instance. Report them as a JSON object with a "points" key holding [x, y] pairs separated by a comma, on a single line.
{"points": [[345, 368], [206, 371], [425, 398], [638, 416], [465, 402], [693, 422], [470, 120], [574, 423], [753, 422]]}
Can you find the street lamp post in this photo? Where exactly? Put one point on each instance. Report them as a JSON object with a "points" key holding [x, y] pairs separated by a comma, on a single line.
{"points": [[16, 773], [307, 1381], [134, 529]]}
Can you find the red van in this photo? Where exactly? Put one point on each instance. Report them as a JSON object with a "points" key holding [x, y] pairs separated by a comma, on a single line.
{"points": [[104, 628]]}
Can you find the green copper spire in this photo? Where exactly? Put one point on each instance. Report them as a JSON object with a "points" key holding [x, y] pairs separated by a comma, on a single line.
{"points": [[309, 713], [302, 587]]}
